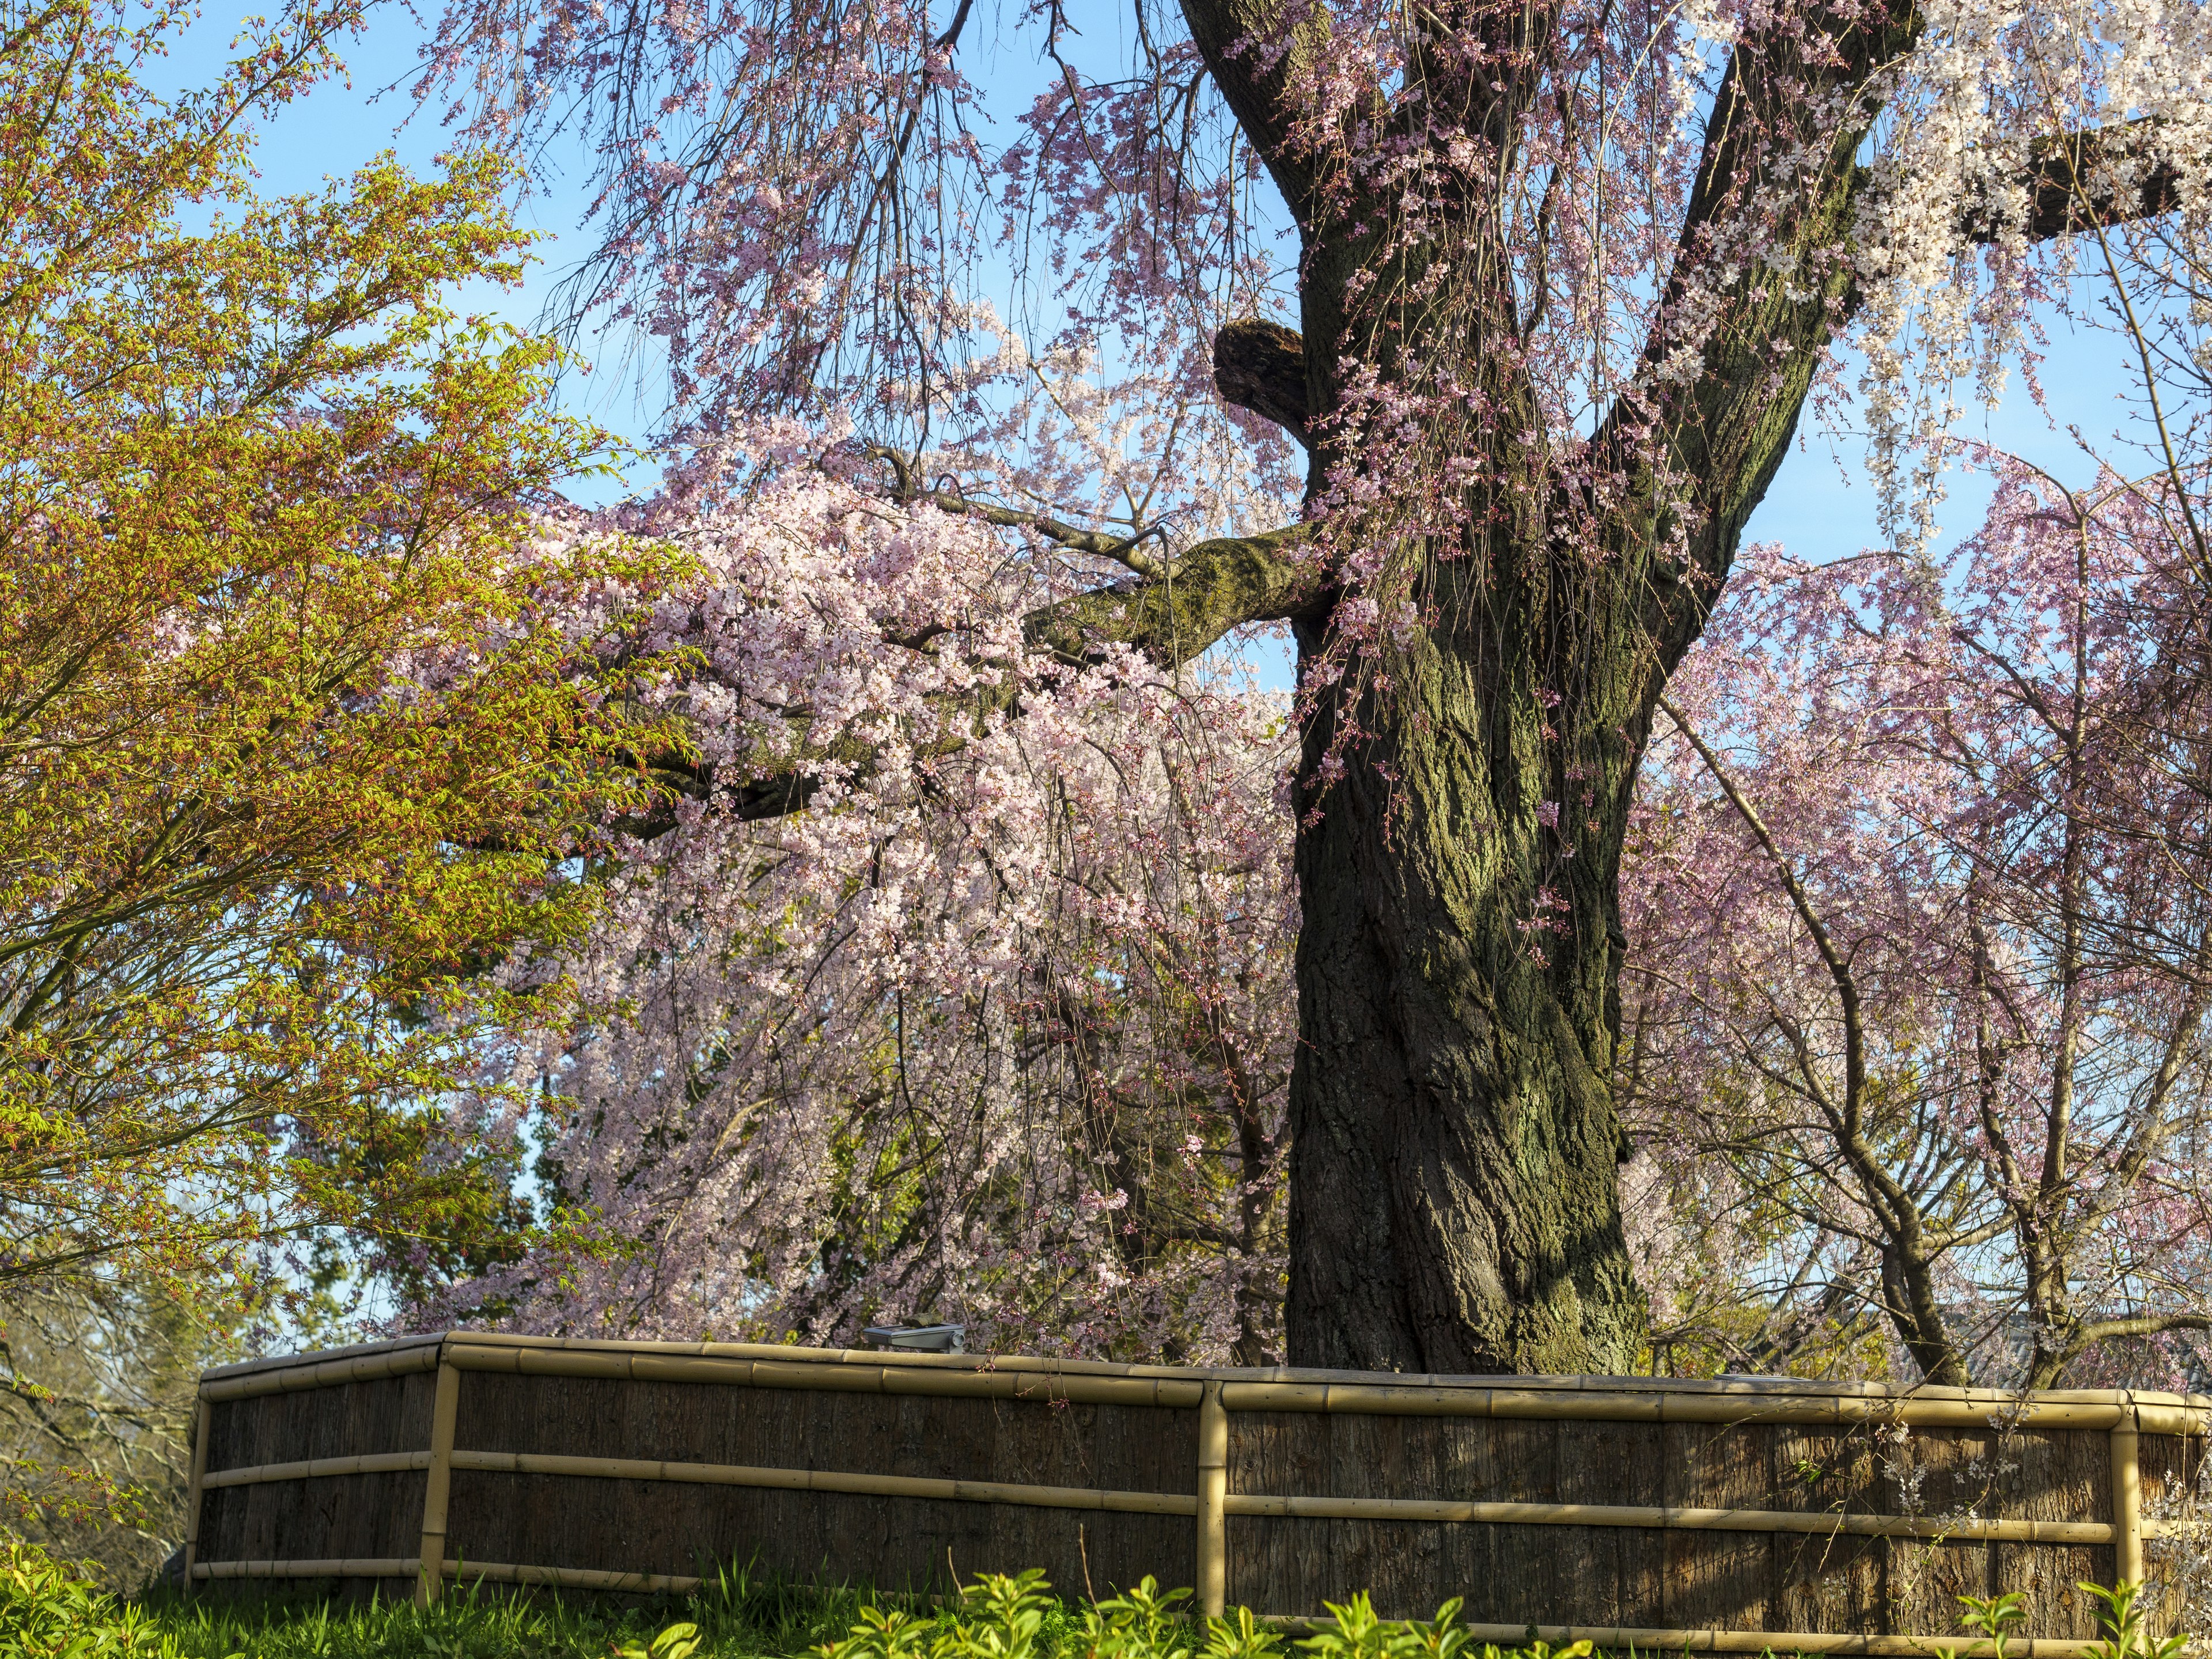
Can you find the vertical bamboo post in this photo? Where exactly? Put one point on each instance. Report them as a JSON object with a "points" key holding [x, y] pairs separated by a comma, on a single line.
{"points": [[2127, 1501], [203, 1416], [431, 1576], [1212, 1503]]}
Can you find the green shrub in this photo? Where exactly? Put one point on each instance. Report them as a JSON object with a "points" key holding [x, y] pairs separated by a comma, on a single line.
{"points": [[47, 1612]]}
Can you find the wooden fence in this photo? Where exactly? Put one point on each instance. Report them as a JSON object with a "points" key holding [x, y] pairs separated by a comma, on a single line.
{"points": [[1728, 1516]]}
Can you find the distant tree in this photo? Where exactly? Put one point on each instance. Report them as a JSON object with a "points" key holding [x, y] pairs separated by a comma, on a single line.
{"points": [[1920, 889], [96, 1453], [292, 738]]}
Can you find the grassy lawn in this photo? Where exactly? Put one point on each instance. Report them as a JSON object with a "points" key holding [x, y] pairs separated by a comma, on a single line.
{"points": [[47, 1614]]}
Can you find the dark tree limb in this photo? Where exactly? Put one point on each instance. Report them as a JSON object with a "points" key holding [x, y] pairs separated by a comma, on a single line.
{"points": [[1122, 549], [1256, 85], [2087, 181], [1261, 366]]}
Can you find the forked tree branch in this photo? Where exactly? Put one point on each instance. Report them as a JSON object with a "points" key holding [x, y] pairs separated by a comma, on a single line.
{"points": [[2074, 181], [2077, 181], [1122, 549]]}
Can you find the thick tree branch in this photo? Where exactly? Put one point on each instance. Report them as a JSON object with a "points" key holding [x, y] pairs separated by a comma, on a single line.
{"points": [[1262, 367], [1173, 618], [1217, 587], [1256, 83], [2074, 181], [2078, 181]]}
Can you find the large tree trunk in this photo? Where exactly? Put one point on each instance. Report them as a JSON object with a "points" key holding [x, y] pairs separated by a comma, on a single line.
{"points": [[1454, 1205]]}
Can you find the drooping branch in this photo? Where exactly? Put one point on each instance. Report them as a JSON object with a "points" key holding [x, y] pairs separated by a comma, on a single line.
{"points": [[1217, 587], [1261, 366]]}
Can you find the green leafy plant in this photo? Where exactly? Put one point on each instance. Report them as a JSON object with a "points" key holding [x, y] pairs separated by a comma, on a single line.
{"points": [[1356, 1633], [1144, 1623], [1240, 1637], [2122, 1619], [678, 1642], [47, 1612], [1995, 1617]]}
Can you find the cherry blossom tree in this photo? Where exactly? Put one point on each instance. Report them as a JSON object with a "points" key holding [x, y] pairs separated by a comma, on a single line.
{"points": [[1566, 275], [1920, 891], [997, 1031]]}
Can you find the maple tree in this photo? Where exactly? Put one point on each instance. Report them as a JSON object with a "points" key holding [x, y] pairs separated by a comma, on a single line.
{"points": [[1565, 276], [292, 736]]}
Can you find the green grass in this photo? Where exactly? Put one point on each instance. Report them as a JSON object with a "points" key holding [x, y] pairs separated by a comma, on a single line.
{"points": [[46, 1612], [741, 1616]]}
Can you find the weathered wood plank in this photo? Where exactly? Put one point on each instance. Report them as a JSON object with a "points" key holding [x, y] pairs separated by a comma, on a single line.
{"points": [[1834, 1582], [1619, 1571], [2055, 1475], [1717, 1581], [1937, 1472], [1524, 1469]]}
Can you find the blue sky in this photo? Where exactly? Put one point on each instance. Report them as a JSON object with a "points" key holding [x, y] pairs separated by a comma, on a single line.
{"points": [[1820, 506]]}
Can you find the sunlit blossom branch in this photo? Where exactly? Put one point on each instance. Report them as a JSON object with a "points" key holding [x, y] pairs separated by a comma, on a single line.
{"points": [[1213, 589], [1128, 550], [2078, 181]]}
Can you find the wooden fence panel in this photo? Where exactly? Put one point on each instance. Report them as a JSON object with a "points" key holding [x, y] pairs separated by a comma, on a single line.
{"points": [[1721, 1517], [1831, 1582]]}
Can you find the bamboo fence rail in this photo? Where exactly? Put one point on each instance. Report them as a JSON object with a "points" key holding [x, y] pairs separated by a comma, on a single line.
{"points": [[393, 1464]]}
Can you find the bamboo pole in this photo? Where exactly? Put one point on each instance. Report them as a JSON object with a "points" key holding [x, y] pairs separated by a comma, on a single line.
{"points": [[203, 1422], [319, 1374], [2127, 1505], [1212, 1512], [1562, 1399], [1047, 1388], [395, 1566], [1563, 1405], [1619, 1405], [319, 1468], [1213, 1443], [1671, 1519], [827, 1480], [430, 1565], [429, 1341], [590, 1578], [2172, 1419]]}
